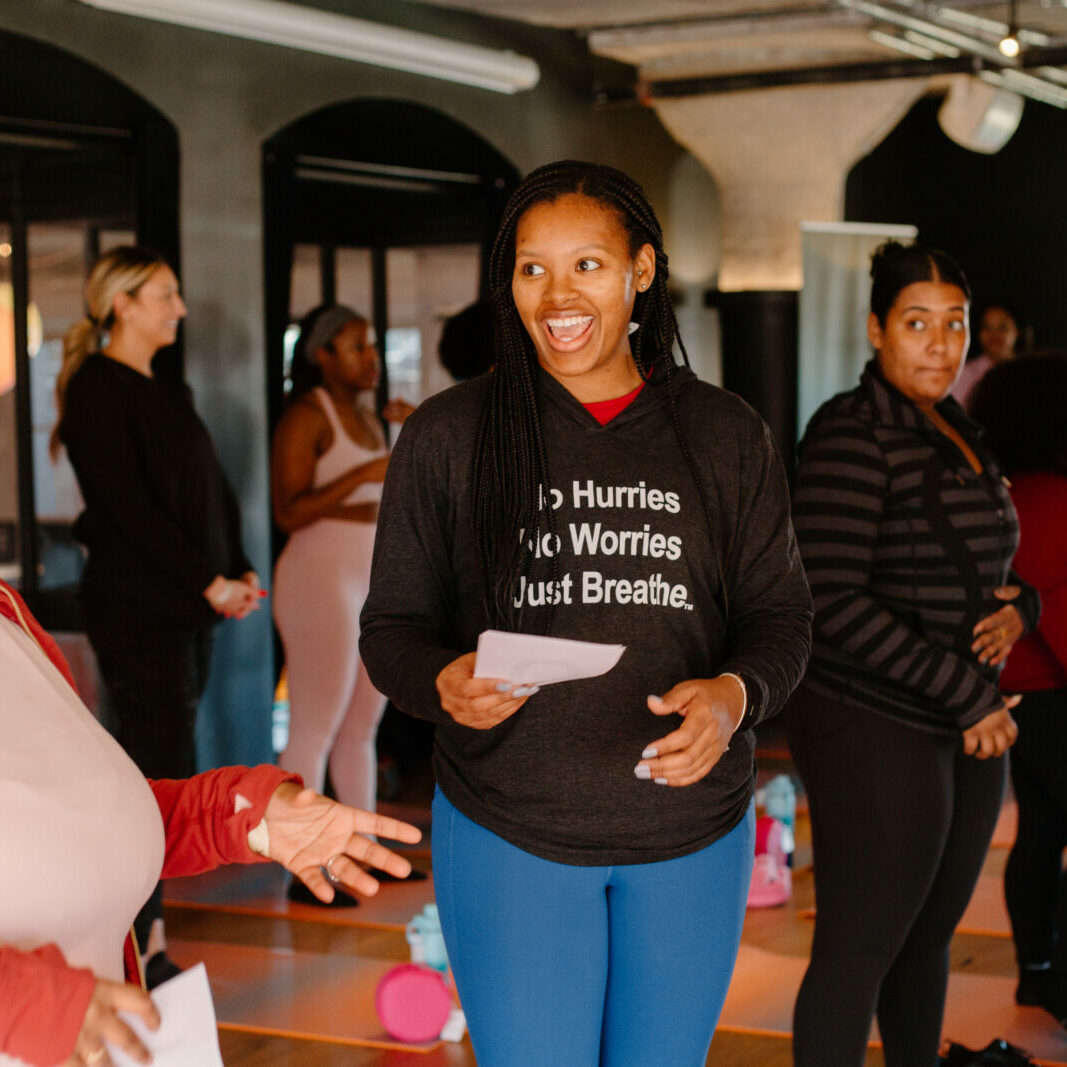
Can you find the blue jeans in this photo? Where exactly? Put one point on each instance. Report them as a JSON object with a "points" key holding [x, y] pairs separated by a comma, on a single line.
{"points": [[588, 966]]}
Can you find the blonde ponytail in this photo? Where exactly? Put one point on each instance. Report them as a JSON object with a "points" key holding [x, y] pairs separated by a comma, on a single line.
{"points": [[80, 341], [121, 270]]}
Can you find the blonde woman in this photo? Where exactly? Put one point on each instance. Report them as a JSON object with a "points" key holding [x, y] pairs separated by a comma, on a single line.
{"points": [[160, 523]]}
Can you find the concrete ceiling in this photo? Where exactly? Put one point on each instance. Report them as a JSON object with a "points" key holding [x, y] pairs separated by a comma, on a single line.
{"points": [[733, 43]]}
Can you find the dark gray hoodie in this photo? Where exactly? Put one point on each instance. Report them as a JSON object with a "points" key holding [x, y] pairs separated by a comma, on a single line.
{"points": [[638, 566]]}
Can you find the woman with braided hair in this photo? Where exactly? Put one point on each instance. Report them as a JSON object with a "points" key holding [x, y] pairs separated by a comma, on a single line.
{"points": [[592, 844]]}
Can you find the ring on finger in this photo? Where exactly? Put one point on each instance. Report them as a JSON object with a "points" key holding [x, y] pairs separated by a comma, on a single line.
{"points": [[329, 866]]}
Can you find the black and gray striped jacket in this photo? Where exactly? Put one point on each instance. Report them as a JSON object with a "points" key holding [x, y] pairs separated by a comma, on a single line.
{"points": [[903, 544]]}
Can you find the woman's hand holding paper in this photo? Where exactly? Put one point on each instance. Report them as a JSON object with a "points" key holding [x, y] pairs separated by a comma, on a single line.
{"points": [[480, 703]]}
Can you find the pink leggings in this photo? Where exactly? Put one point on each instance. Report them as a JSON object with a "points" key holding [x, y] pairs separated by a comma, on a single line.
{"points": [[320, 583]]}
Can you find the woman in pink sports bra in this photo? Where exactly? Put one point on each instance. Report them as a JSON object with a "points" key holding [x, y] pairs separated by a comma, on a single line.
{"points": [[327, 465]]}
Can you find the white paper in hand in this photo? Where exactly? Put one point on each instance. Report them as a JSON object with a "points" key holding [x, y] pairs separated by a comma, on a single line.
{"points": [[529, 660], [188, 1036]]}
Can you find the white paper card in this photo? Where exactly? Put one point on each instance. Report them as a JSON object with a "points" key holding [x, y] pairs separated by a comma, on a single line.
{"points": [[188, 1036], [529, 660]]}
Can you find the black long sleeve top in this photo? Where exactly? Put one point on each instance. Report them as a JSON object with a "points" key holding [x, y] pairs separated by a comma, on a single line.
{"points": [[639, 566], [903, 543], [160, 519]]}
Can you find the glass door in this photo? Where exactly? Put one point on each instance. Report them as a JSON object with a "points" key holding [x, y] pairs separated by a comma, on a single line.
{"points": [[59, 255], [408, 293], [51, 230]]}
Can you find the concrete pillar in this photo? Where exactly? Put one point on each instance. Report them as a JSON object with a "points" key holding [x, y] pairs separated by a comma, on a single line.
{"points": [[781, 156]]}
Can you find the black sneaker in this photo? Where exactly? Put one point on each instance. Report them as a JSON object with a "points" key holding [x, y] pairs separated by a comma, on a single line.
{"points": [[159, 968], [1044, 989], [997, 1053], [299, 893]]}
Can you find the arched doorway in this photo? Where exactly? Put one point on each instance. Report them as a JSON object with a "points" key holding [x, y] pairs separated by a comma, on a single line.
{"points": [[85, 163], [388, 206]]}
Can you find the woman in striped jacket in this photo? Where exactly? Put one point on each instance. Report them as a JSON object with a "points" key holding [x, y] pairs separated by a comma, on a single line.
{"points": [[899, 731]]}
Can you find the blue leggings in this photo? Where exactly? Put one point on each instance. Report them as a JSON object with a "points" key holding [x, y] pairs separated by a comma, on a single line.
{"points": [[588, 966]]}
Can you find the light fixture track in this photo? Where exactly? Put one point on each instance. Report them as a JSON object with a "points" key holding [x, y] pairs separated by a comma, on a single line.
{"points": [[327, 33]]}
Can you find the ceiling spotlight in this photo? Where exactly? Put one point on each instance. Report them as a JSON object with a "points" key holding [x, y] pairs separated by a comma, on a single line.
{"points": [[1009, 44]]}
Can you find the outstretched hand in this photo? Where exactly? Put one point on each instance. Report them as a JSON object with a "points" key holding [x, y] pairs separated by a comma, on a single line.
{"points": [[711, 708], [102, 1025], [308, 832]]}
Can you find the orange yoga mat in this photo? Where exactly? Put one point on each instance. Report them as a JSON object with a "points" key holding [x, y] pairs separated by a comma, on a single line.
{"points": [[294, 994]]}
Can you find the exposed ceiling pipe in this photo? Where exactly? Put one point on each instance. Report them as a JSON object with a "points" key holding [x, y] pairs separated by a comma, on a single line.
{"points": [[942, 50], [969, 43], [693, 31], [645, 92]]}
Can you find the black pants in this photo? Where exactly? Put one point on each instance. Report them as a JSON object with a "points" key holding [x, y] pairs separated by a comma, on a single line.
{"points": [[154, 682], [1034, 883], [901, 822]]}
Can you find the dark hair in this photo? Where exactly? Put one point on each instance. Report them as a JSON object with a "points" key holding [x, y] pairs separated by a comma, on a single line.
{"points": [[895, 266], [510, 469], [1020, 403], [305, 372], [467, 342]]}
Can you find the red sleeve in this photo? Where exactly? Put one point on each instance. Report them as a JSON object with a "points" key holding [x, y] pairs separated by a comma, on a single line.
{"points": [[1041, 502], [13, 607], [42, 1004], [203, 827]]}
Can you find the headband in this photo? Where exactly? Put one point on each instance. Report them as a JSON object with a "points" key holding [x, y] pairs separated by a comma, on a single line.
{"points": [[325, 328]]}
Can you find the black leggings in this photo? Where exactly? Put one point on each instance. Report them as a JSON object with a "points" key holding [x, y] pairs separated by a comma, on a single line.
{"points": [[154, 683], [1034, 883], [901, 822]]}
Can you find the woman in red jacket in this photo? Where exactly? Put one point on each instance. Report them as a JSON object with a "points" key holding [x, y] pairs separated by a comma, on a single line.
{"points": [[72, 801], [1021, 405]]}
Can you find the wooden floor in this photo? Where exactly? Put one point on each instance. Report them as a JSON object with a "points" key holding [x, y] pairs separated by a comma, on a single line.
{"points": [[780, 935]]}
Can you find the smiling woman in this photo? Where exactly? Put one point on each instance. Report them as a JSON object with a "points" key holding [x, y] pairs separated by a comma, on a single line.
{"points": [[589, 488], [574, 285]]}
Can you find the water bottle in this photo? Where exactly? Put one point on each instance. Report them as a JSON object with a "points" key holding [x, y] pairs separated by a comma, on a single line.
{"points": [[780, 802], [426, 940]]}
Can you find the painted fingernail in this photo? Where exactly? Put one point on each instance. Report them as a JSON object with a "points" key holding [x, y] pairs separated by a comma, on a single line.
{"points": [[504, 687], [661, 781], [650, 753], [653, 696], [525, 691], [643, 771]]}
